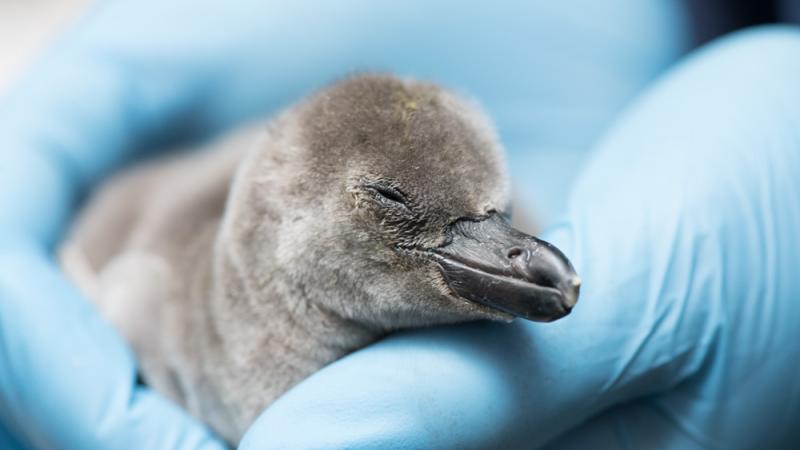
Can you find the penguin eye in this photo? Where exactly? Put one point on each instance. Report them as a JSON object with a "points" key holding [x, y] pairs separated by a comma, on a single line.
{"points": [[388, 195]]}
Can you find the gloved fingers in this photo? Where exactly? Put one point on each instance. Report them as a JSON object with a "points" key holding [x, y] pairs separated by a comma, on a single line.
{"points": [[705, 174], [683, 228], [450, 387], [706, 171], [66, 379]]}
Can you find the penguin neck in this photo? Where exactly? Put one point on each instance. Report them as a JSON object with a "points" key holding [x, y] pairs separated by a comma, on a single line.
{"points": [[264, 318]]}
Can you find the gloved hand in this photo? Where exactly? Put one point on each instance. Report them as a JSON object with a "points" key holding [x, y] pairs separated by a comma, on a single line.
{"points": [[127, 78]]}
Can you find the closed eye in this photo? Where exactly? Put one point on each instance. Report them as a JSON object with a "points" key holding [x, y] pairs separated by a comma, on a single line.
{"points": [[388, 194]]}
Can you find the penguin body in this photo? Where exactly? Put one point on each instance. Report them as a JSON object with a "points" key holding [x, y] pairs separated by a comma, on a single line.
{"points": [[374, 205]]}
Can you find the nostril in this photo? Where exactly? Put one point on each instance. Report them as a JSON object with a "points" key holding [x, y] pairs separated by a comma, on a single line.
{"points": [[515, 252]]}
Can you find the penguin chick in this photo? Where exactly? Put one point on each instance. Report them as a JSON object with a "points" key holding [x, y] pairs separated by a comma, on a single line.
{"points": [[374, 205]]}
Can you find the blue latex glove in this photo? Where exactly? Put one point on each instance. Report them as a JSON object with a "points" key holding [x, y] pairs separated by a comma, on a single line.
{"points": [[684, 227]]}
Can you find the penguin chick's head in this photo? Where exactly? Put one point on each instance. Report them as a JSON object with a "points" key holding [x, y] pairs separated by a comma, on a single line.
{"points": [[389, 200]]}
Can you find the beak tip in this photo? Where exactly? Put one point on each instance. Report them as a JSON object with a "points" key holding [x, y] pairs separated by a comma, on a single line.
{"points": [[570, 292]]}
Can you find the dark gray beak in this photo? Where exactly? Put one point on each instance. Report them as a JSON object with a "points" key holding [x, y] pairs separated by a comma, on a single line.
{"points": [[489, 262]]}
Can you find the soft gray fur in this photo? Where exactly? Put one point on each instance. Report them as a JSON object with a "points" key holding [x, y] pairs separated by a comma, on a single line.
{"points": [[238, 271]]}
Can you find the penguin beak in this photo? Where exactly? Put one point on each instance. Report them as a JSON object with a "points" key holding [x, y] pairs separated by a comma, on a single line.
{"points": [[489, 262]]}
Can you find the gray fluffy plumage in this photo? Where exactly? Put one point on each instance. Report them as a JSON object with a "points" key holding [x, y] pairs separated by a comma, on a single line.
{"points": [[237, 271]]}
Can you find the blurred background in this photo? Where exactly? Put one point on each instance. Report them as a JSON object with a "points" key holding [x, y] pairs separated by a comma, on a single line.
{"points": [[26, 26]]}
